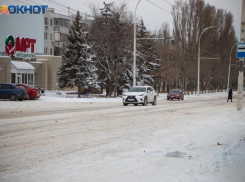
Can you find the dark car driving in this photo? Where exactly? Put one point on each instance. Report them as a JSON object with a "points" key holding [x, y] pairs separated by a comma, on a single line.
{"points": [[12, 92], [175, 94]]}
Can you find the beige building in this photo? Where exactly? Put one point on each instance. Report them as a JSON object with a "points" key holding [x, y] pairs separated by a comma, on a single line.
{"points": [[5, 69], [45, 69]]}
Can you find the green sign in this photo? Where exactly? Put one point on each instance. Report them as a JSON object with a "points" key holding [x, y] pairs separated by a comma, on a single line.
{"points": [[24, 55]]}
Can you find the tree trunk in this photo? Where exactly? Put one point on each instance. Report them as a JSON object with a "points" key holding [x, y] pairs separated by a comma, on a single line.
{"points": [[115, 88], [109, 89], [79, 91], [186, 82]]}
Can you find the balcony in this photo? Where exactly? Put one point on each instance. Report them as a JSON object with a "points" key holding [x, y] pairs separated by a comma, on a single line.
{"points": [[56, 28]]}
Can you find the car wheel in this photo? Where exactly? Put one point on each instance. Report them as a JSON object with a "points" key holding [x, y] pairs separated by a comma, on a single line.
{"points": [[154, 101], [135, 104], [20, 99], [125, 104], [178, 99], [171, 99], [145, 101], [183, 98], [13, 97]]}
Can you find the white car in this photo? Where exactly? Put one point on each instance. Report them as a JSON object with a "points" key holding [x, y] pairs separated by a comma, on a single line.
{"points": [[140, 95]]}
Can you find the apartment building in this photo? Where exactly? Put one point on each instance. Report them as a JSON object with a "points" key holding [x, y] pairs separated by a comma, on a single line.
{"points": [[56, 30]]}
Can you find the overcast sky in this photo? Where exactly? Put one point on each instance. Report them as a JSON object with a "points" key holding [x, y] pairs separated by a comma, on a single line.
{"points": [[152, 15]]}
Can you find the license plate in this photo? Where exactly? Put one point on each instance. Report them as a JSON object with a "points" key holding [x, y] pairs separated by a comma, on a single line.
{"points": [[171, 96], [130, 99]]}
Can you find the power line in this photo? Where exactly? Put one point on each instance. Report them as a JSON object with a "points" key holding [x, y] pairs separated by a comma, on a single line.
{"points": [[158, 7], [168, 2], [210, 53], [57, 8], [65, 6], [34, 3], [54, 4], [62, 5]]}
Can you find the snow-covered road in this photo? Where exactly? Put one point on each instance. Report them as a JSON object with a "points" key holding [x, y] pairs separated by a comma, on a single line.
{"points": [[199, 139]]}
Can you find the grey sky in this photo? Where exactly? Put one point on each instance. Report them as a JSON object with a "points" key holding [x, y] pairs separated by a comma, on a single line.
{"points": [[152, 15]]}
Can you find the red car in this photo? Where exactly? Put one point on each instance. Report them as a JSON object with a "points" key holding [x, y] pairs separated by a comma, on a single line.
{"points": [[175, 94], [33, 92]]}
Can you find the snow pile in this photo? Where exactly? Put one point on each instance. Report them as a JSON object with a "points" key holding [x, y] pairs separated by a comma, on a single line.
{"points": [[227, 163], [224, 166]]}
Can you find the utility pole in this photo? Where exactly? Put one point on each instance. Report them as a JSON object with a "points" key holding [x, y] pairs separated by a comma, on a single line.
{"points": [[199, 58], [134, 65], [228, 82], [68, 11], [240, 77]]}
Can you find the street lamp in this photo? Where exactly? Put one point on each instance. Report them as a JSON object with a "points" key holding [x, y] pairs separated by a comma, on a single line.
{"points": [[198, 74], [230, 68], [134, 75]]}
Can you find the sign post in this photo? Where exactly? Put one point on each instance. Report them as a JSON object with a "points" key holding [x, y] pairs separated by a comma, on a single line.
{"points": [[240, 50], [241, 56]]}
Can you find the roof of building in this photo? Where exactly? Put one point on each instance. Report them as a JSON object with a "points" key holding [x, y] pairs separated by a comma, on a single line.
{"points": [[21, 65]]}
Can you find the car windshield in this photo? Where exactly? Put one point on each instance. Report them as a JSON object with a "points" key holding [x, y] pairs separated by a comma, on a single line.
{"points": [[174, 91], [137, 89]]}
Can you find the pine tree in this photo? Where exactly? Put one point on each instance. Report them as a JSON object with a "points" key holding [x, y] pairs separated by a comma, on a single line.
{"points": [[111, 29], [77, 67], [147, 61]]}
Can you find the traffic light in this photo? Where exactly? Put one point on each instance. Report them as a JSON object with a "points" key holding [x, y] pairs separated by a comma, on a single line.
{"points": [[239, 65]]}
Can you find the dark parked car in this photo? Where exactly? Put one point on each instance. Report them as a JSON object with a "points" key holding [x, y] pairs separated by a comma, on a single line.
{"points": [[175, 94], [24, 94], [33, 92], [10, 91]]}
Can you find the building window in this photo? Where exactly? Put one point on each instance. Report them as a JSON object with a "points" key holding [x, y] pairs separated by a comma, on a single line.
{"points": [[32, 80], [45, 21], [51, 22], [61, 23], [12, 77], [66, 24], [56, 22], [45, 50], [51, 36], [29, 78], [23, 77], [45, 36], [51, 51]]}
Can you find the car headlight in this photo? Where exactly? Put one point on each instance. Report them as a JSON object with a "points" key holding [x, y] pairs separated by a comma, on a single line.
{"points": [[141, 95], [124, 95]]}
